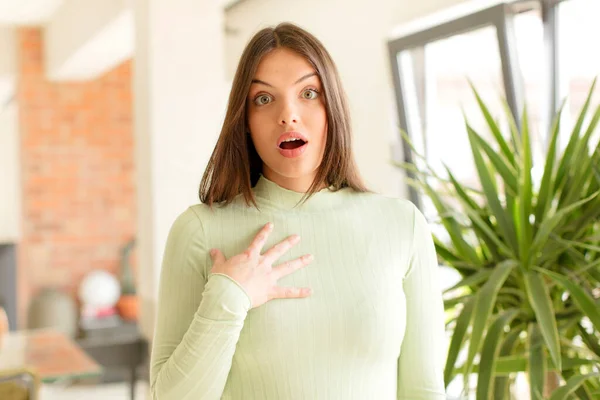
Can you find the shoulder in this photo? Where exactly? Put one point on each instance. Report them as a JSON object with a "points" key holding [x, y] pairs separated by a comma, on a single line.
{"points": [[185, 226], [393, 206], [187, 235], [196, 218], [190, 222]]}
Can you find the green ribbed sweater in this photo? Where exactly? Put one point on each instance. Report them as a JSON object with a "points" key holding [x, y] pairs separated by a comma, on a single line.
{"points": [[372, 329]]}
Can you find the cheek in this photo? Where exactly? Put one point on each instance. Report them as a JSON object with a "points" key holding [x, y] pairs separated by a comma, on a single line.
{"points": [[255, 123], [259, 130], [318, 121], [260, 120]]}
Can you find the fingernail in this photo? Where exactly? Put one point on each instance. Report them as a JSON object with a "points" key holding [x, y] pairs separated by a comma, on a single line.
{"points": [[212, 252]]}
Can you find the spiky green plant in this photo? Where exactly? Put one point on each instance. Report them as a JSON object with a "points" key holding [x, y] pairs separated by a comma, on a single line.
{"points": [[529, 257]]}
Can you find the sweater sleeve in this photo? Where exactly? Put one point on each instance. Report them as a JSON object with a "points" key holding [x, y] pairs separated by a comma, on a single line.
{"points": [[422, 356], [199, 319]]}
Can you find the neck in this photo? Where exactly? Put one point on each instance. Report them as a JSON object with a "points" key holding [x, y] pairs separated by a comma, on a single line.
{"points": [[271, 196]]}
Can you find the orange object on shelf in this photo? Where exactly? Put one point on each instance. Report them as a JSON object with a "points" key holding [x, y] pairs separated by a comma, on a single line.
{"points": [[128, 307]]}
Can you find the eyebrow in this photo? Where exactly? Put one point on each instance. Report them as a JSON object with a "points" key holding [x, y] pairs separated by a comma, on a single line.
{"points": [[295, 83]]}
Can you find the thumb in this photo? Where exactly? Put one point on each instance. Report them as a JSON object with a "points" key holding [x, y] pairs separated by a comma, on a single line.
{"points": [[216, 256]]}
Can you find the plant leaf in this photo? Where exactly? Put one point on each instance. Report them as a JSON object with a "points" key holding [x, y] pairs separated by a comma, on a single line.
{"points": [[501, 384], [453, 228], [582, 393], [489, 352], [486, 297], [589, 339], [517, 363], [572, 384], [544, 194], [537, 362], [470, 205], [584, 301], [471, 280], [584, 162], [504, 168], [458, 337], [549, 224], [567, 157], [489, 233], [491, 194], [508, 153], [539, 298], [525, 196], [514, 130]]}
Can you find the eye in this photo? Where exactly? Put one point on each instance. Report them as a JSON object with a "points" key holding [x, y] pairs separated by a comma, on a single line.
{"points": [[262, 99], [310, 94]]}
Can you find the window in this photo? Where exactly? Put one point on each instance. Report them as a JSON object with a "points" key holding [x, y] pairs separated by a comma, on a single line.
{"points": [[533, 53], [579, 64], [437, 80], [432, 69]]}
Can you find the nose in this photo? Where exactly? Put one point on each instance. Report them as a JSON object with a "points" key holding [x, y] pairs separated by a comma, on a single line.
{"points": [[289, 114]]}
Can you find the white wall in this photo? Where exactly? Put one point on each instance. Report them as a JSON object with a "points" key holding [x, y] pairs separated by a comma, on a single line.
{"points": [[10, 197], [179, 88], [10, 190], [356, 34]]}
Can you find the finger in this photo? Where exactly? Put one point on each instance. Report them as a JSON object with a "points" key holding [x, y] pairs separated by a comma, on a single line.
{"points": [[275, 252], [290, 292], [290, 266], [259, 240], [217, 256]]}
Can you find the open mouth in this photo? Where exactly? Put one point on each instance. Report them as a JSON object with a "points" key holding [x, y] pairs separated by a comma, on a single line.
{"points": [[293, 144]]}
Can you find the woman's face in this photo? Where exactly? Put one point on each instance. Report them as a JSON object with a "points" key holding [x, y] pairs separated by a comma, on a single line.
{"points": [[286, 101]]}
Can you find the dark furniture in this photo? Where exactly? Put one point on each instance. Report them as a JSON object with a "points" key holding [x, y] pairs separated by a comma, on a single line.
{"points": [[120, 350], [8, 282]]}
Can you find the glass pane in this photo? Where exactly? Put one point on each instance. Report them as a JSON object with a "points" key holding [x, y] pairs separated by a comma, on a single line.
{"points": [[437, 98], [529, 31], [579, 59], [439, 131]]}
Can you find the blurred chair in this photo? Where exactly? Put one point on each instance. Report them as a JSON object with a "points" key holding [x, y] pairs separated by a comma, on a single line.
{"points": [[19, 384]]}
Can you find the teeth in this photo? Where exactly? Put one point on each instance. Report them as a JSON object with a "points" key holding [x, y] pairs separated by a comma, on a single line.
{"points": [[291, 140]]}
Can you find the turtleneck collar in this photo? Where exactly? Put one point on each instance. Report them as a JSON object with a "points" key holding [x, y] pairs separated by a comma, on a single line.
{"points": [[269, 195]]}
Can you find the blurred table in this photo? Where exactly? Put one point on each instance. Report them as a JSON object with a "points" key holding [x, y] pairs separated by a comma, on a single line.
{"points": [[50, 353]]}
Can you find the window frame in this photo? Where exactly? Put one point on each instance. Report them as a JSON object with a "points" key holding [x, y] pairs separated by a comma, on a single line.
{"points": [[500, 16]]}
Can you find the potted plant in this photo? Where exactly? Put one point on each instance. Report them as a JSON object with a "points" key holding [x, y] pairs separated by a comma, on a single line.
{"points": [[528, 254], [128, 302]]}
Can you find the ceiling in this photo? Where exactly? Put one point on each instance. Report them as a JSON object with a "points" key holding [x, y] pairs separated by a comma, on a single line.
{"points": [[38, 12], [27, 12]]}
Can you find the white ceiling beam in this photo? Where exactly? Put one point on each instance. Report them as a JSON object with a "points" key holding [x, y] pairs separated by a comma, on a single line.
{"points": [[83, 42]]}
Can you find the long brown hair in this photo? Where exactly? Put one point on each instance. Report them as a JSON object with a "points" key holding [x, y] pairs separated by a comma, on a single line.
{"points": [[235, 165]]}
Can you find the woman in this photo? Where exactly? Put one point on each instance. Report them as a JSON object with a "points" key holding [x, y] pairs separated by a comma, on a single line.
{"points": [[291, 280]]}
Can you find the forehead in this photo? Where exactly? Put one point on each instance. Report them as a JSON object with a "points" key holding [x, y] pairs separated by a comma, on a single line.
{"points": [[283, 63]]}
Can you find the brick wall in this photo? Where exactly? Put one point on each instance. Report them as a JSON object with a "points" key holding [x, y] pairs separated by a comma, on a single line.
{"points": [[77, 173]]}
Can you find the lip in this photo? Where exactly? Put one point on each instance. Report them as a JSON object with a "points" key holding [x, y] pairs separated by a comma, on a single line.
{"points": [[292, 153], [291, 135]]}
